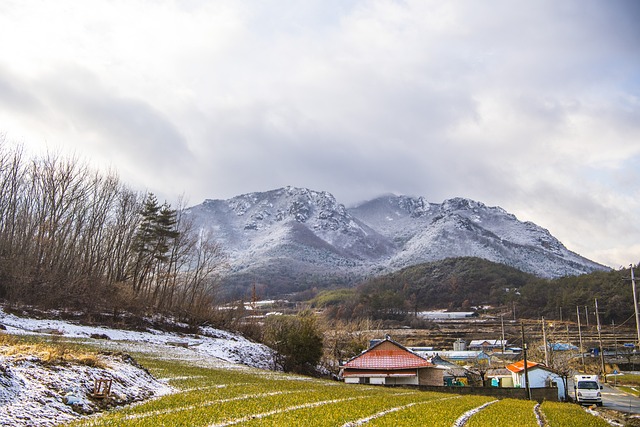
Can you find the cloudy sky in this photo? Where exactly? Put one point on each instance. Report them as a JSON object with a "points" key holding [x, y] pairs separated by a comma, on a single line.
{"points": [[533, 106]]}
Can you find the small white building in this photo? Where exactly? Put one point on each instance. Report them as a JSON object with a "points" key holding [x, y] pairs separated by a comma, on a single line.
{"points": [[487, 345], [443, 315], [539, 376]]}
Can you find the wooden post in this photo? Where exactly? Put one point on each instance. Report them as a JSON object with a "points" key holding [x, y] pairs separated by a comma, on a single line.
{"points": [[526, 368], [604, 373], [584, 366], [101, 388]]}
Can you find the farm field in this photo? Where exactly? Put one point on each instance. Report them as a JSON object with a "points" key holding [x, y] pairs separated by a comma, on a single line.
{"points": [[242, 397]]}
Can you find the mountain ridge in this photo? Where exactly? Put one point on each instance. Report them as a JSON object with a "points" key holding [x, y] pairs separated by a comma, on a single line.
{"points": [[289, 239]]}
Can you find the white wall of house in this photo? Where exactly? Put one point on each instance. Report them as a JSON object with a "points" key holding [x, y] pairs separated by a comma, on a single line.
{"points": [[538, 378], [412, 380]]}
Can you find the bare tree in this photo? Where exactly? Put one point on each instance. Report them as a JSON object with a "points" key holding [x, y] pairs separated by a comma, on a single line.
{"points": [[71, 236]]}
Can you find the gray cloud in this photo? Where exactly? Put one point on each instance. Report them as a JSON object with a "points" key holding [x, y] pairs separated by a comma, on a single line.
{"points": [[530, 106]]}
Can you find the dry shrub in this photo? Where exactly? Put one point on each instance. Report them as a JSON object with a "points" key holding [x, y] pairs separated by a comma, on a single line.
{"points": [[47, 353]]}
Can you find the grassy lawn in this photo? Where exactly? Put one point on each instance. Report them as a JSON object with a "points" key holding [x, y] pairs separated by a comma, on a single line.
{"points": [[626, 379]]}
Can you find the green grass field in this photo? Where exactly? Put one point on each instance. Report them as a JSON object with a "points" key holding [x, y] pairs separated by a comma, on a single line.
{"points": [[214, 397], [626, 379]]}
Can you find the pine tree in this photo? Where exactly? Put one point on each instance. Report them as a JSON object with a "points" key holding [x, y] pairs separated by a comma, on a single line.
{"points": [[152, 244]]}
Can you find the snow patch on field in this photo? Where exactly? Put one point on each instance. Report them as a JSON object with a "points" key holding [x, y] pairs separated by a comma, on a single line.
{"points": [[209, 343], [33, 393]]}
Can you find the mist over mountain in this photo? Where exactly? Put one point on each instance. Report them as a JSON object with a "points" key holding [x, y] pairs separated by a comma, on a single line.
{"points": [[291, 239]]}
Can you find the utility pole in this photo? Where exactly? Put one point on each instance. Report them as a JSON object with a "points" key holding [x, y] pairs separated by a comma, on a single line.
{"points": [[604, 374], [635, 302], [586, 315], [544, 342], [584, 366], [615, 337], [502, 325], [526, 368]]}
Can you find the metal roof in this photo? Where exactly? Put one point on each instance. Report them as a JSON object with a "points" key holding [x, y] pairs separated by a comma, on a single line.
{"points": [[387, 354], [519, 366]]}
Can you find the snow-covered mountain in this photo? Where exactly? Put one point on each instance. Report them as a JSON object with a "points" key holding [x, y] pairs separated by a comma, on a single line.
{"points": [[294, 238], [424, 231]]}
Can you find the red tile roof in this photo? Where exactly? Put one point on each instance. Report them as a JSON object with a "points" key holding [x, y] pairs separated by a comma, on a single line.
{"points": [[387, 355], [519, 366]]}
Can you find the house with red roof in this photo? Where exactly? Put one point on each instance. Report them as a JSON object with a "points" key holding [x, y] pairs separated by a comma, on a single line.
{"points": [[390, 363], [539, 376]]}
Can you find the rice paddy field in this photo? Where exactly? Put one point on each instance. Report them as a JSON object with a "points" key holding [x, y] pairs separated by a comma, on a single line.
{"points": [[207, 396]]}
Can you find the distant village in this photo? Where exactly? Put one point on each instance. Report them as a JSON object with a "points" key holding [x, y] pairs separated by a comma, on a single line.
{"points": [[387, 362]]}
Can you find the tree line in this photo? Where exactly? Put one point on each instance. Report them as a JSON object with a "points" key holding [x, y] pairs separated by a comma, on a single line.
{"points": [[466, 284], [74, 237]]}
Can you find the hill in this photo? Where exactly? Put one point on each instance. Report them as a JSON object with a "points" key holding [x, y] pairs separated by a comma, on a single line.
{"points": [[472, 283]]}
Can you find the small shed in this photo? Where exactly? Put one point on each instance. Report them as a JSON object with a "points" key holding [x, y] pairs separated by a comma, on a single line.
{"points": [[500, 377], [390, 363], [454, 374]]}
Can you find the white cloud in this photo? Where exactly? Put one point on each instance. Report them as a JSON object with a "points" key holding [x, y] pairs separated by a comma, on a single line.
{"points": [[531, 106]]}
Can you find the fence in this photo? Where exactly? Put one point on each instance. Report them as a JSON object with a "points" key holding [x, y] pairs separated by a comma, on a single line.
{"points": [[539, 394]]}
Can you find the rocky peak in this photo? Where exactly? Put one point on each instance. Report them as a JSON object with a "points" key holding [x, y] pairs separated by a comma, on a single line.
{"points": [[415, 206]]}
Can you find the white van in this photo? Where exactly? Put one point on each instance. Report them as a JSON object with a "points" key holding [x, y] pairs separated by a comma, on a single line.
{"points": [[587, 390]]}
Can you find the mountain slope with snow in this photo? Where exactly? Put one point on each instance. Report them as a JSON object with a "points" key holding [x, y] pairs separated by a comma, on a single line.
{"points": [[295, 238], [461, 227]]}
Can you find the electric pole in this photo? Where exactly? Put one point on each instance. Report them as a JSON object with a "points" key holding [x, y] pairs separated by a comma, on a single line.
{"points": [[526, 367], [604, 374], [635, 303], [586, 315], [584, 366], [615, 337], [544, 342], [502, 325]]}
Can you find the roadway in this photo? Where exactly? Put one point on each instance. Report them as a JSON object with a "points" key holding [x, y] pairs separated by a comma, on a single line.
{"points": [[617, 400]]}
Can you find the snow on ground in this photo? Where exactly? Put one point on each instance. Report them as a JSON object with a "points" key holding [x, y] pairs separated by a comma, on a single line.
{"points": [[209, 343], [34, 394]]}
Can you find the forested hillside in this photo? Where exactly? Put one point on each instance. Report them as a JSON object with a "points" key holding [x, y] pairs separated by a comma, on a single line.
{"points": [[72, 237], [470, 284]]}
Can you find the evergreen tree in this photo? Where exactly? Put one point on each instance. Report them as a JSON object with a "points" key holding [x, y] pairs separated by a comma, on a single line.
{"points": [[164, 231], [152, 244]]}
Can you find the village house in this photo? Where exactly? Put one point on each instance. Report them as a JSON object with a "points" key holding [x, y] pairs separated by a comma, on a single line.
{"points": [[539, 376], [454, 374], [389, 363]]}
